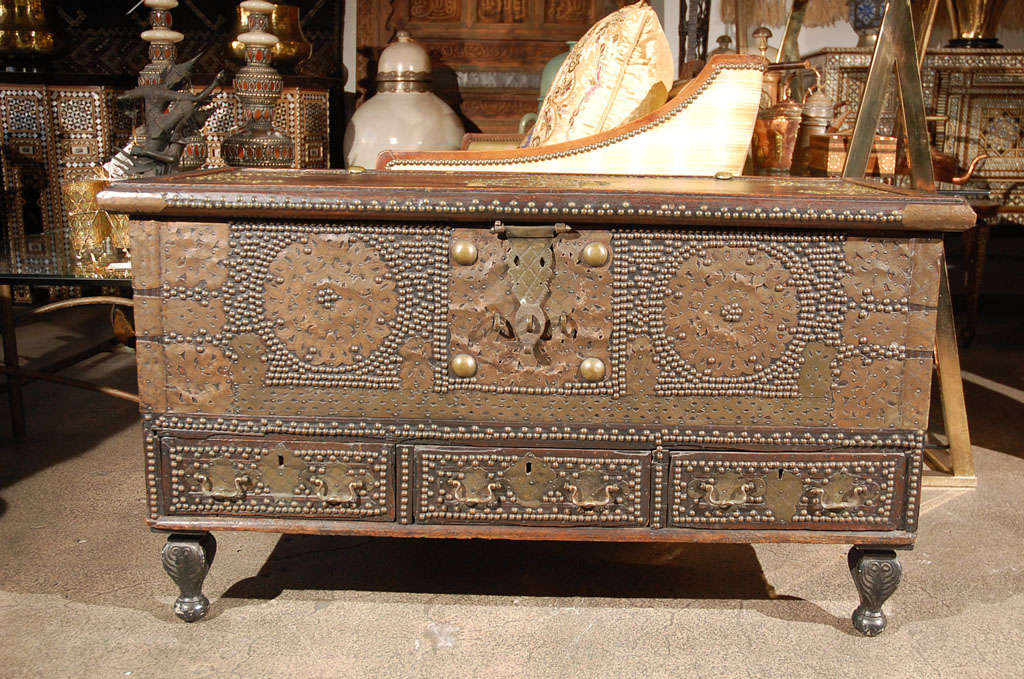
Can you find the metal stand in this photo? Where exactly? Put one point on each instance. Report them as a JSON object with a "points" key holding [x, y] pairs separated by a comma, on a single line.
{"points": [[17, 376], [958, 472], [14, 399], [897, 49]]}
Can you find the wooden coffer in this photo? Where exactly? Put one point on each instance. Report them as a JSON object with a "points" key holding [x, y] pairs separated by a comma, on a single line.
{"points": [[639, 358]]}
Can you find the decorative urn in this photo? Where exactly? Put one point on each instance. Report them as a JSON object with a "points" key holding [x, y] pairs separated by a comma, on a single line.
{"points": [[866, 19], [404, 115]]}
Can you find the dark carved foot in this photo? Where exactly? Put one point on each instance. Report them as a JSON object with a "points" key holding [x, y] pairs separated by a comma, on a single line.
{"points": [[876, 574], [187, 560]]}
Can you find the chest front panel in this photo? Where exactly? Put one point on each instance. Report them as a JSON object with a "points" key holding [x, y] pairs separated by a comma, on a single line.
{"points": [[657, 329]]}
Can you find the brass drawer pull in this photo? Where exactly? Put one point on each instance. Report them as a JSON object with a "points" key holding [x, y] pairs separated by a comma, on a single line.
{"points": [[339, 485], [475, 488], [730, 490], [843, 493], [221, 491], [590, 491]]}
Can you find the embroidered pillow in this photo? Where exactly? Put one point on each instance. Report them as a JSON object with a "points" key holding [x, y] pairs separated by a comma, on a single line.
{"points": [[620, 70]]}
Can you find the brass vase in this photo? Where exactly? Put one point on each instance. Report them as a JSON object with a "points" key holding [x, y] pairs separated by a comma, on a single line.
{"points": [[974, 22], [25, 34], [293, 48]]}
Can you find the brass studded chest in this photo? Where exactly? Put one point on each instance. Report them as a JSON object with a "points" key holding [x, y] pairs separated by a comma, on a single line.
{"points": [[535, 357]]}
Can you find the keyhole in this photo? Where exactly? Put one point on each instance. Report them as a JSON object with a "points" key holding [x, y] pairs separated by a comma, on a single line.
{"points": [[780, 474], [280, 460], [529, 467]]}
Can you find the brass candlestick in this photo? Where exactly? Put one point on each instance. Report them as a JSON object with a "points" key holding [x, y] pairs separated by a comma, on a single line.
{"points": [[258, 86]]}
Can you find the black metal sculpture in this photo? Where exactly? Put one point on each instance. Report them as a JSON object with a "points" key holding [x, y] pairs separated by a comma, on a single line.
{"points": [[172, 115]]}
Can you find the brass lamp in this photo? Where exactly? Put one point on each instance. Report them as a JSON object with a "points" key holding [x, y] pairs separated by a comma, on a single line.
{"points": [[25, 33], [292, 48], [974, 22]]}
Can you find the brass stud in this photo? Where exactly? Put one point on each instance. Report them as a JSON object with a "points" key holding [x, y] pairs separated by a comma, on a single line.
{"points": [[356, 169], [592, 369], [464, 252], [463, 365], [596, 254]]}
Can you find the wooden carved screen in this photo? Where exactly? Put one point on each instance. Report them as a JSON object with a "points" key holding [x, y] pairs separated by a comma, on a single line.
{"points": [[487, 54]]}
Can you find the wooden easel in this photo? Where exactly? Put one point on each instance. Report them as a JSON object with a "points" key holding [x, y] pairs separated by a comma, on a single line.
{"points": [[897, 48]]}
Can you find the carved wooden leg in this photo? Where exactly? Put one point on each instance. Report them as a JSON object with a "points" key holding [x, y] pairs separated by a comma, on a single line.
{"points": [[876, 573], [187, 560]]}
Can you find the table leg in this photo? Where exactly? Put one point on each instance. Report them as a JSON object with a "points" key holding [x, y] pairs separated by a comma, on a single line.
{"points": [[14, 394]]}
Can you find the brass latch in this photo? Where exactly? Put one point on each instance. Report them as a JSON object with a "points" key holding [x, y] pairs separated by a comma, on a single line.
{"points": [[531, 266]]}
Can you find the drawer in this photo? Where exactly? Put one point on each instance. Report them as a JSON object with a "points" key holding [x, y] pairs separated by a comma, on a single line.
{"points": [[279, 477], [825, 491], [531, 486]]}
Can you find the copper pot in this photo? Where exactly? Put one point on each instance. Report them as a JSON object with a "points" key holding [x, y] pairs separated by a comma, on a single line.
{"points": [[974, 22], [24, 28], [293, 48]]}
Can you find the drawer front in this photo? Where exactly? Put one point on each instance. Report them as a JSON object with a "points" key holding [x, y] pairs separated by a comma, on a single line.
{"points": [[283, 477], [530, 486], [825, 491]]}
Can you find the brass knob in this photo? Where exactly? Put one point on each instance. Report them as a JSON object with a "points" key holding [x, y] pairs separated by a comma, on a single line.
{"points": [[463, 365], [596, 254], [592, 369], [464, 252]]}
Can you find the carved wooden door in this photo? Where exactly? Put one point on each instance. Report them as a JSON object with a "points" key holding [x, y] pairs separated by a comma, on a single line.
{"points": [[487, 54]]}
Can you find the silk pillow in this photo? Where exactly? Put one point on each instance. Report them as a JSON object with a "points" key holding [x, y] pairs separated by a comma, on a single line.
{"points": [[620, 70]]}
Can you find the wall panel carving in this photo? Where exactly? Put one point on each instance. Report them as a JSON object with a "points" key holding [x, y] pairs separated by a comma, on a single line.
{"points": [[505, 41], [976, 93]]}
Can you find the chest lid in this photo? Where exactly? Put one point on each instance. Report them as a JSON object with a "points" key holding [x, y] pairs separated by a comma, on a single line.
{"points": [[763, 202]]}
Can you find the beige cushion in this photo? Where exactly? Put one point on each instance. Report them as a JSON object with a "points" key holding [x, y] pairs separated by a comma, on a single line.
{"points": [[619, 71]]}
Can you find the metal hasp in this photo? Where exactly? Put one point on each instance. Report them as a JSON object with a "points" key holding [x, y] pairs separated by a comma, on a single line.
{"points": [[531, 266], [896, 48]]}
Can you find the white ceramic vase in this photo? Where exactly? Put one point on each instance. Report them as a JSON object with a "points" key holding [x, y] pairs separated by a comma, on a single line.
{"points": [[404, 115]]}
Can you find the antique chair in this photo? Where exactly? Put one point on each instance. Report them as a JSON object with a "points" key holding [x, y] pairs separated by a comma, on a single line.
{"points": [[703, 130]]}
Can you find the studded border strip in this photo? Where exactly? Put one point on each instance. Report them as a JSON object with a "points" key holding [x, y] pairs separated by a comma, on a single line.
{"points": [[625, 434], [422, 204]]}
